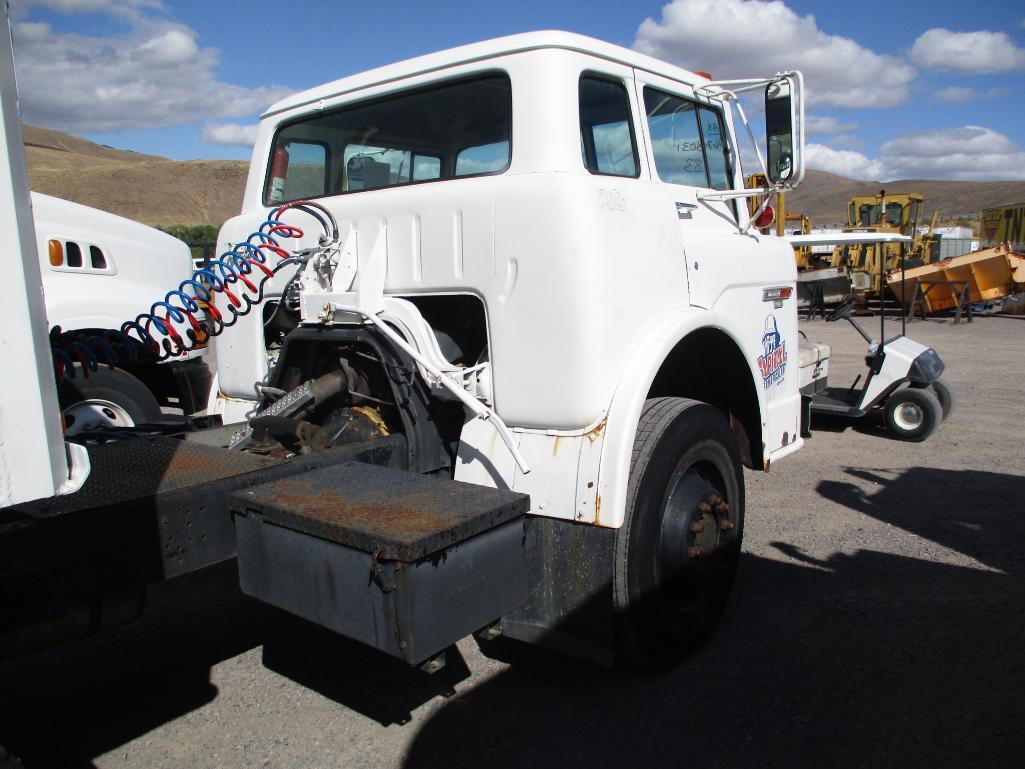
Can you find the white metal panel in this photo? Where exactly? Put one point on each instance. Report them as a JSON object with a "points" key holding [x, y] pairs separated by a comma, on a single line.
{"points": [[144, 264], [829, 238], [33, 462], [900, 353], [555, 465]]}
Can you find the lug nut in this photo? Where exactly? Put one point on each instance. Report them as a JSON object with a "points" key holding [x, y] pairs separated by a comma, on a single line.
{"points": [[722, 507], [704, 508], [725, 524], [697, 527], [694, 552], [715, 499]]}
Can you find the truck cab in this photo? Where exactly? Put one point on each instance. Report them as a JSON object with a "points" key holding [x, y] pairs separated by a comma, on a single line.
{"points": [[555, 229], [550, 202]]}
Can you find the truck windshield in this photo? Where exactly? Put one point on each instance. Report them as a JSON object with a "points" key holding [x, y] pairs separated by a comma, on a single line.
{"points": [[457, 129]]}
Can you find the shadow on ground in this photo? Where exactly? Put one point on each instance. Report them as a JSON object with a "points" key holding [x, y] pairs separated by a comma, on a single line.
{"points": [[865, 659], [869, 659], [62, 707]]}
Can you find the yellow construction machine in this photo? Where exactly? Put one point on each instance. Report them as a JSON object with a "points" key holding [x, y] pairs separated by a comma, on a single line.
{"points": [[884, 213]]}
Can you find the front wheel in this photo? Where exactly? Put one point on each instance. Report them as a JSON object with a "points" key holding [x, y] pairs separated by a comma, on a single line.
{"points": [[106, 398], [913, 413], [679, 546]]}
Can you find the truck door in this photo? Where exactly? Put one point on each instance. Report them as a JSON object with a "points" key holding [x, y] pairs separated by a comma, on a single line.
{"points": [[691, 152]]}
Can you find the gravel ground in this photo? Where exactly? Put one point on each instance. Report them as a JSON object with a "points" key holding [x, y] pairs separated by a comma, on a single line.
{"points": [[877, 621]]}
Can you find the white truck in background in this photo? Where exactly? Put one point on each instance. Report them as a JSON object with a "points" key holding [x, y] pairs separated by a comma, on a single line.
{"points": [[98, 271]]}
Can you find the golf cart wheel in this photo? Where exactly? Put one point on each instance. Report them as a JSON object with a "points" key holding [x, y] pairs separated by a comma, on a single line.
{"points": [[946, 397], [679, 546], [913, 413]]}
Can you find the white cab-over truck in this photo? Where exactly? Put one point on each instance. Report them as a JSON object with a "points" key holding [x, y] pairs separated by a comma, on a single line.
{"points": [[99, 270], [527, 337]]}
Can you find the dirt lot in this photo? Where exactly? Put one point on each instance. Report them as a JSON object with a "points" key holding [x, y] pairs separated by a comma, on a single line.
{"points": [[877, 621]]}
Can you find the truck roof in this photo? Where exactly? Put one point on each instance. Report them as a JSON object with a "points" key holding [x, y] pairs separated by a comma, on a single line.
{"points": [[482, 51]]}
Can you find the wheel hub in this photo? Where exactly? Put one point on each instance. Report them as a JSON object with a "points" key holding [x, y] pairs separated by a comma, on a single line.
{"points": [[712, 518], [908, 415], [696, 530], [95, 413]]}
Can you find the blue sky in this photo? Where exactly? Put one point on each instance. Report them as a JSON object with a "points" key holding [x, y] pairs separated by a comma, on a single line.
{"points": [[897, 89]]}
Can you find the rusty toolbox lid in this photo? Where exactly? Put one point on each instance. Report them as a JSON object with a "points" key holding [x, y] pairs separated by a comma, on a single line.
{"points": [[394, 514]]}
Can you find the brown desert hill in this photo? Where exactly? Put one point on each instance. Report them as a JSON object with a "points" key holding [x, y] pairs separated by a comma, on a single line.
{"points": [[158, 191], [823, 196], [146, 188], [38, 137]]}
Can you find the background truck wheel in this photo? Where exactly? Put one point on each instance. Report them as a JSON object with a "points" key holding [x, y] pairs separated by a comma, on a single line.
{"points": [[678, 549], [913, 413], [107, 398]]}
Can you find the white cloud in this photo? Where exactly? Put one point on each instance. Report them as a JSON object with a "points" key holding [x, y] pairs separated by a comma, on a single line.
{"points": [[153, 75], [973, 53], [958, 95], [971, 153], [231, 134], [843, 162], [965, 153], [742, 38], [819, 124], [173, 48]]}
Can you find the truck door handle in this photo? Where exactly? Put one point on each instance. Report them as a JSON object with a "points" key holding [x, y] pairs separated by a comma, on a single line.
{"points": [[685, 210]]}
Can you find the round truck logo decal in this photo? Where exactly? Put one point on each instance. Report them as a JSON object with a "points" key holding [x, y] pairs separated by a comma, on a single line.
{"points": [[773, 361]]}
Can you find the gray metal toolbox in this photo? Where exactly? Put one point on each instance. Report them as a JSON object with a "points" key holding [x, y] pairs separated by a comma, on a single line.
{"points": [[403, 562]]}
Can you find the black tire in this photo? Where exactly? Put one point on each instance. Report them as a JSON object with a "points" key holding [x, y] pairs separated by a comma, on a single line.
{"points": [[671, 582], [946, 397], [108, 397], [913, 413]]}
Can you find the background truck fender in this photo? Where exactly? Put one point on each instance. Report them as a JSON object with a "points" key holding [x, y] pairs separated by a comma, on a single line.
{"points": [[613, 466]]}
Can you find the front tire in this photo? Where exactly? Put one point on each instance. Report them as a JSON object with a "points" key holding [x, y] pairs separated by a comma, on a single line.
{"points": [[679, 546], [107, 398], [913, 413]]}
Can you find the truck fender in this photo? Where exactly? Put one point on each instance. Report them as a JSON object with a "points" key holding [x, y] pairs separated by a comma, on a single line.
{"points": [[613, 465]]}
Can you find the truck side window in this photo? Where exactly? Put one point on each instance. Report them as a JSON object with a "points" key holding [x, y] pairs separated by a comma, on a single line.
{"points": [[607, 141], [485, 159], [688, 141]]}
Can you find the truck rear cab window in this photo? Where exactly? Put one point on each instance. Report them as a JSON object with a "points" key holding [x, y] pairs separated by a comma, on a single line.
{"points": [[371, 167], [607, 141], [688, 141], [461, 128]]}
